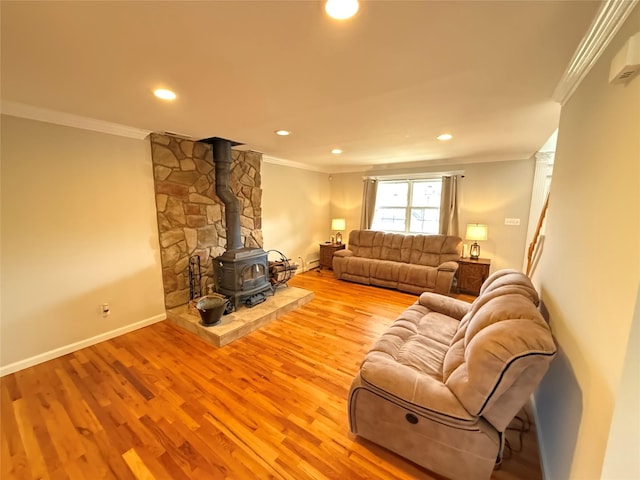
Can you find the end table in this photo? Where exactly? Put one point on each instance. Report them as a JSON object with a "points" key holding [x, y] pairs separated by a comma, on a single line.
{"points": [[326, 254], [471, 274]]}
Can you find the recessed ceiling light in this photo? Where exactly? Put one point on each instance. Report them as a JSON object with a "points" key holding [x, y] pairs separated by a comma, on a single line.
{"points": [[341, 9], [445, 136], [164, 94], [336, 151], [283, 133]]}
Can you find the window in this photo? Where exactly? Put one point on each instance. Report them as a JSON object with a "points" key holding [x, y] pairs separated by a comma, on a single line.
{"points": [[408, 206]]}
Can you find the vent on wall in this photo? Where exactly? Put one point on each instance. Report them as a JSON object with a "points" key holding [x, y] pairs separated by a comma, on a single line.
{"points": [[626, 63]]}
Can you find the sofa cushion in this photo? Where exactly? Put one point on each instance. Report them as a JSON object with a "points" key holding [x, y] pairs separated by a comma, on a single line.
{"points": [[501, 280], [365, 243], [384, 270], [433, 250], [406, 361], [425, 250], [421, 276], [358, 266], [394, 247], [418, 339]]}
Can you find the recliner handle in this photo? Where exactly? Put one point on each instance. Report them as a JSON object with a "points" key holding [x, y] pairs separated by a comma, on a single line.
{"points": [[411, 418]]}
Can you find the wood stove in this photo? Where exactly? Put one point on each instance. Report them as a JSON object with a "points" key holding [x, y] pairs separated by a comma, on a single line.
{"points": [[241, 273]]}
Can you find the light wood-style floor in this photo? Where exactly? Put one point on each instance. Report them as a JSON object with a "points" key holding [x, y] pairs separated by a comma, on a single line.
{"points": [[161, 403]]}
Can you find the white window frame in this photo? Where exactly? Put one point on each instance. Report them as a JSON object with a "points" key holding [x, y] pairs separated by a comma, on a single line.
{"points": [[408, 207]]}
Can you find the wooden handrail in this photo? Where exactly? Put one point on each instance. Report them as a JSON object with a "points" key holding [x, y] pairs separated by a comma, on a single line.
{"points": [[536, 236]]}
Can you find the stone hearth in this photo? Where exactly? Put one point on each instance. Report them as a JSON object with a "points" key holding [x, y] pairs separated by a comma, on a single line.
{"points": [[244, 320]]}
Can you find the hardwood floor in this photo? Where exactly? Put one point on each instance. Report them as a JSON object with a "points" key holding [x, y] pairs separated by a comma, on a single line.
{"points": [[161, 403]]}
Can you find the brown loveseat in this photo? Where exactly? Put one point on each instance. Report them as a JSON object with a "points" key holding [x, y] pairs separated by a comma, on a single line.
{"points": [[446, 379], [410, 263]]}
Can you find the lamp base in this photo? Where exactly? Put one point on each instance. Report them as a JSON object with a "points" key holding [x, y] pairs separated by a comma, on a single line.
{"points": [[339, 238], [474, 251]]}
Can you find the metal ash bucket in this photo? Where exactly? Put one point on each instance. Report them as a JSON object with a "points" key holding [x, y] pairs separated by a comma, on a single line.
{"points": [[211, 309]]}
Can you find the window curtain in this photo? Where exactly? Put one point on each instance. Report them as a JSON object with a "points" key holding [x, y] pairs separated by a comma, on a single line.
{"points": [[368, 202], [449, 224]]}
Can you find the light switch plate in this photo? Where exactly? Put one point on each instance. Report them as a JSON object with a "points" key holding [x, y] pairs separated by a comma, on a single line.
{"points": [[512, 221]]}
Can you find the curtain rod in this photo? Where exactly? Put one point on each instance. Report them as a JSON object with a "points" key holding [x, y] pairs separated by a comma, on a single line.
{"points": [[414, 176]]}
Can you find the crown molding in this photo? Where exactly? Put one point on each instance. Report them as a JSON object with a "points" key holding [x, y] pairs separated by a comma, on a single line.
{"points": [[606, 24], [292, 164], [21, 110]]}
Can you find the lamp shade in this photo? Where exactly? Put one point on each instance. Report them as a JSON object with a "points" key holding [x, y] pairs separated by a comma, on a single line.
{"points": [[476, 231], [338, 224]]}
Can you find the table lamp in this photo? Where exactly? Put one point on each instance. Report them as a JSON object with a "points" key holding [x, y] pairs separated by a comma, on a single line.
{"points": [[338, 224], [475, 232]]}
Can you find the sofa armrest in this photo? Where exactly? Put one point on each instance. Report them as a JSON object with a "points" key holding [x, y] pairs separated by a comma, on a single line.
{"points": [[338, 262], [448, 267], [344, 253], [448, 306], [444, 279]]}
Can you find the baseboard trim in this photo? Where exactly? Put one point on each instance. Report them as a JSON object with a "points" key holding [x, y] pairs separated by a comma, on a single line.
{"points": [[58, 352], [307, 266]]}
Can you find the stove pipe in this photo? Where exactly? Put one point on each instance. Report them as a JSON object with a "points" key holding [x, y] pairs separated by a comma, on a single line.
{"points": [[232, 204]]}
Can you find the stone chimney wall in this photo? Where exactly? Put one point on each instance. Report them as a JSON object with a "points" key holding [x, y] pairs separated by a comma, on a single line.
{"points": [[191, 216]]}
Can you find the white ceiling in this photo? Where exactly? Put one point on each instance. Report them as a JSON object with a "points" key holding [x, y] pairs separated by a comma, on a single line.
{"points": [[381, 86]]}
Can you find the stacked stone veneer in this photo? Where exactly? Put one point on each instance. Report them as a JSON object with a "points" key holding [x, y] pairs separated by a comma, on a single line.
{"points": [[190, 214]]}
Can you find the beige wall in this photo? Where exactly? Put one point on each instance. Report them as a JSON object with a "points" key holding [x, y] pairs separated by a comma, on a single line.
{"points": [[489, 193], [78, 229], [621, 460], [295, 212], [590, 269]]}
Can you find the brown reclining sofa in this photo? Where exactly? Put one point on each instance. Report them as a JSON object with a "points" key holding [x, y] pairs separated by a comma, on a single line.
{"points": [[443, 383], [409, 263]]}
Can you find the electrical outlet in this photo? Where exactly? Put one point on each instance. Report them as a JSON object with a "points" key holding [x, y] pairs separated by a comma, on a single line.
{"points": [[512, 221]]}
